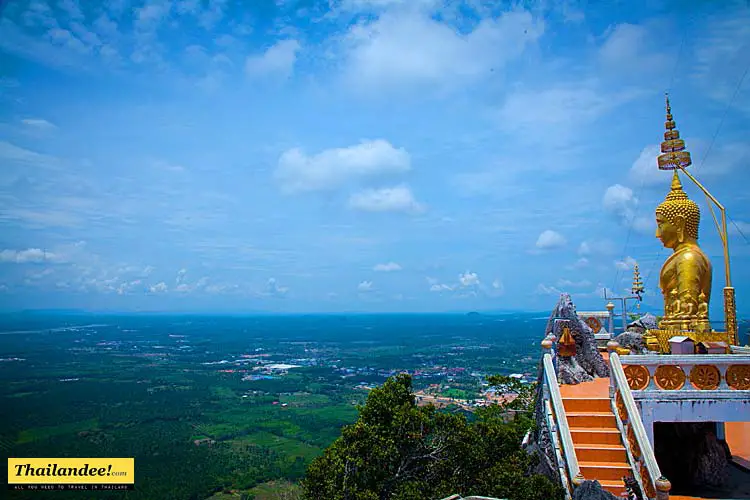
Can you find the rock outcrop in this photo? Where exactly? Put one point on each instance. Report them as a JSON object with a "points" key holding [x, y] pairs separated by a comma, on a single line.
{"points": [[645, 322], [633, 341], [540, 442], [632, 338], [588, 361], [592, 490]]}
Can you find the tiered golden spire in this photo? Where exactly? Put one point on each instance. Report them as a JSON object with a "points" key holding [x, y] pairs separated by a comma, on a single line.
{"points": [[673, 151], [637, 288]]}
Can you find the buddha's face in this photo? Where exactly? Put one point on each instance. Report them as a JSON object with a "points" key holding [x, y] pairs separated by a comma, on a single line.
{"points": [[669, 234]]}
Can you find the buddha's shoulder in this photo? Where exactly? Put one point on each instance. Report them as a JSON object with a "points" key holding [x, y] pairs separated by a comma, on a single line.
{"points": [[691, 253]]}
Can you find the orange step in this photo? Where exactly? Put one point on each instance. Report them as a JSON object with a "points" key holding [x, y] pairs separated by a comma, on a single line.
{"points": [[601, 470], [617, 488], [596, 439], [588, 419], [587, 405], [595, 435], [599, 452]]}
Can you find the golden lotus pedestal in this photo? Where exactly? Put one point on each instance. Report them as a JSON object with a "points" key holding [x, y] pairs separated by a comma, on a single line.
{"points": [[657, 340]]}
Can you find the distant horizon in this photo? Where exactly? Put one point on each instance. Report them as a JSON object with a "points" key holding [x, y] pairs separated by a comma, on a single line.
{"points": [[283, 313]]}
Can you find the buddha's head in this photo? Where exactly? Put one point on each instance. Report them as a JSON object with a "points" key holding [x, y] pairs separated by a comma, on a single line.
{"points": [[677, 217]]}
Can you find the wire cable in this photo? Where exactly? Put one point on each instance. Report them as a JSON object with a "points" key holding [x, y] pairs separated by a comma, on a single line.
{"points": [[723, 117]]}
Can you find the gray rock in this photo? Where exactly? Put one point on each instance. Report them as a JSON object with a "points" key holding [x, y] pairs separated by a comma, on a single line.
{"points": [[587, 355], [570, 372], [540, 444], [645, 322], [592, 490], [632, 340]]}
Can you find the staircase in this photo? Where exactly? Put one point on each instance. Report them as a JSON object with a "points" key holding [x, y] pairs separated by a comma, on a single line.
{"points": [[596, 439]]}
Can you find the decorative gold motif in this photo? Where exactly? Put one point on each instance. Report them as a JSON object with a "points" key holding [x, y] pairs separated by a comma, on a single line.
{"points": [[738, 377], [633, 442], [702, 306], [730, 315], [648, 484], [685, 278], [658, 340], [621, 410], [566, 346], [669, 377], [637, 376], [705, 377], [594, 324]]}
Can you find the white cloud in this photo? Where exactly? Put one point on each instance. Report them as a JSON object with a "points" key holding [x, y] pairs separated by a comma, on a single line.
{"points": [[160, 287], [180, 276], [498, 286], [29, 255], [468, 279], [184, 287], [38, 123], [542, 289], [410, 47], [549, 240], [35, 276], [620, 201], [625, 264], [630, 50], [365, 286], [390, 266], [273, 289], [644, 169], [277, 61], [332, 168], [581, 263], [560, 105], [218, 289], [393, 199], [564, 283], [15, 154], [721, 51], [127, 287], [596, 247], [440, 287], [376, 5]]}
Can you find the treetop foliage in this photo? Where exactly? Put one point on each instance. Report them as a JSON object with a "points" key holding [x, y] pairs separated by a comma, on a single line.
{"points": [[397, 450]]}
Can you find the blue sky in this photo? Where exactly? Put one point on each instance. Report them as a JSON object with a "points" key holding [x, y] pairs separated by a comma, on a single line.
{"points": [[370, 155]]}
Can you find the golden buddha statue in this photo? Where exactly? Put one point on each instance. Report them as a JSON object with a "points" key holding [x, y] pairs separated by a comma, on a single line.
{"points": [[685, 278]]}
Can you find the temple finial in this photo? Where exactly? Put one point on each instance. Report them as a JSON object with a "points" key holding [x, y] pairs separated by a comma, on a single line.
{"points": [[676, 193], [673, 155]]}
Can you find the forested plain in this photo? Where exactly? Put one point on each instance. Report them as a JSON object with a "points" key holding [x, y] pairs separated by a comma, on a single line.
{"points": [[174, 393]]}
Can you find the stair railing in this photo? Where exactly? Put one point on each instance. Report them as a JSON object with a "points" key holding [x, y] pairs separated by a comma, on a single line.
{"points": [[557, 421], [637, 445]]}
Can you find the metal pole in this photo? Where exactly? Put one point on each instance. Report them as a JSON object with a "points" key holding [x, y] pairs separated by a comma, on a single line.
{"points": [[723, 232]]}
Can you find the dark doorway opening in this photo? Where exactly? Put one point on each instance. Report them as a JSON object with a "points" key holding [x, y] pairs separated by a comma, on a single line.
{"points": [[696, 462]]}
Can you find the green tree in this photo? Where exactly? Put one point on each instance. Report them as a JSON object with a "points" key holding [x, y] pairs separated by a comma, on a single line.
{"points": [[525, 393], [399, 451]]}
